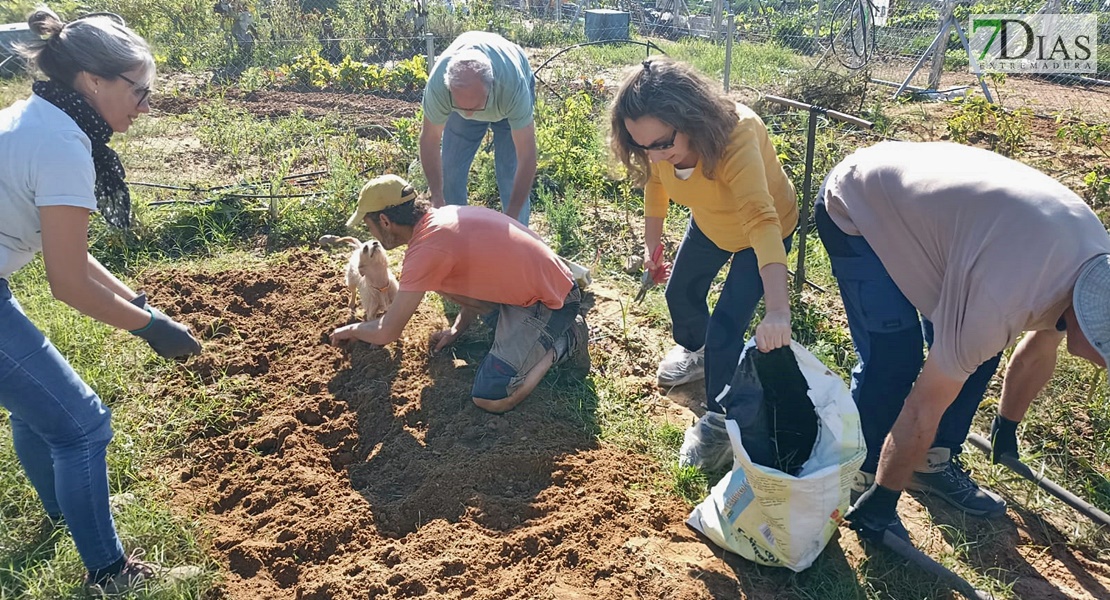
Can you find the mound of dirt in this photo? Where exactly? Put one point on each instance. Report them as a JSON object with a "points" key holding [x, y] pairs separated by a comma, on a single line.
{"points": [[367, 472]]}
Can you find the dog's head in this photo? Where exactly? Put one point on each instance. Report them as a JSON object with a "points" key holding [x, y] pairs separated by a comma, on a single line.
{"points": [[373, 263]]}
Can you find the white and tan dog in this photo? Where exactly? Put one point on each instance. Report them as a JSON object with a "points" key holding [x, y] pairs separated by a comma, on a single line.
{"points": [[368, 275]]}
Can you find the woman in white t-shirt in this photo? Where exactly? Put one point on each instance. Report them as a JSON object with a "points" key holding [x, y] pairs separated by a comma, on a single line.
{"points": [[56, 169]]}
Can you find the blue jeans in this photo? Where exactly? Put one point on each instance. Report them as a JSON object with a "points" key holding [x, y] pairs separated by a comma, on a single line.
{"points": [[722, 332], [890, 338], [461, 139], [61, 431], [522, 335]]}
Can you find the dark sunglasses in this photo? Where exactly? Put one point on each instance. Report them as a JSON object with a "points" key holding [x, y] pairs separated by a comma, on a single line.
{"points": [[144, 93], [663, 145]]}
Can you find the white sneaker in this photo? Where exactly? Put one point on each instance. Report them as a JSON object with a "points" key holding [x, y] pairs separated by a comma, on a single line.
{"points": [[681, 366], [139, 575], [706, 444]]}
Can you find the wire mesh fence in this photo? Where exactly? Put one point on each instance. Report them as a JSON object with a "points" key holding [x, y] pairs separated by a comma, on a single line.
{"points": [[356, 70], [914, 46]]}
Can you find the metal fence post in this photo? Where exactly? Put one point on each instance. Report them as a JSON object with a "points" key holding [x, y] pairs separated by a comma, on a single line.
{"points": [[807, 178], [728, 49], [430, 43], [941, 46], [718, 13]]}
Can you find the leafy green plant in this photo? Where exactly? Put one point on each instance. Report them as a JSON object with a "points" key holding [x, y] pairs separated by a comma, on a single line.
{"points": [[571, 152], [253, 79], [311, 71], [1098, 185], [408, 133], [564, 218], [353, 75], [977, 119], [1096, 136]]}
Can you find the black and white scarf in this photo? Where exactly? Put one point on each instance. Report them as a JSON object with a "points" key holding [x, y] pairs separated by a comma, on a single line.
{"points": [[112, 197]]}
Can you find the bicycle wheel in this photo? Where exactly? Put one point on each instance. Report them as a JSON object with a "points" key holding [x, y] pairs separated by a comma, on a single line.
{"points": [[852, 33]]}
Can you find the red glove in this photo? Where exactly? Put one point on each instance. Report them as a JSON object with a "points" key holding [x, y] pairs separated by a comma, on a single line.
{"points": [[662, 271]]}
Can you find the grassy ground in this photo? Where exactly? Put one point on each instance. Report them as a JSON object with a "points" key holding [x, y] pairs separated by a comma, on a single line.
{"points": [[581, 212]]}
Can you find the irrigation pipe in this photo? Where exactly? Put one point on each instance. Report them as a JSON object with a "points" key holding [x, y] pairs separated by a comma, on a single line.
{"points": [[649, 46], [1014, 464], [181, 188], [907, 551]]}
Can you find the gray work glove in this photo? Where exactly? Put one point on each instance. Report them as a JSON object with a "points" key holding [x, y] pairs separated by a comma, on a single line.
{"points": [[167, 337]]}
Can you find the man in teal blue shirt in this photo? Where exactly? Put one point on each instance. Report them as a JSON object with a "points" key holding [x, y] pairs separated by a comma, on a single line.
{"points": [[481, 81]]}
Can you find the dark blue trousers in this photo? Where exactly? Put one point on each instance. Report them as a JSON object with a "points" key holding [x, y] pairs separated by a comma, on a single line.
{"points": [[722, 332], [890, 338]]}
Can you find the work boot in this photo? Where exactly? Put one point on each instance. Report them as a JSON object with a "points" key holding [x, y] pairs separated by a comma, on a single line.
{"points": [[861, 482], [138, 575], [681, 366], [572, 349], [945, 476], [706, 444]]}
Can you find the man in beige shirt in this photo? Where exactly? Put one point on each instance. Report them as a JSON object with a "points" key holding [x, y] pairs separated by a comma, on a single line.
{"points": [[964, 250]]}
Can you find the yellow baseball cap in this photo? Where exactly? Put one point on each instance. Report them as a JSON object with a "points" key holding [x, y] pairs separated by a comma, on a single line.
{"points": [[379, 194]]}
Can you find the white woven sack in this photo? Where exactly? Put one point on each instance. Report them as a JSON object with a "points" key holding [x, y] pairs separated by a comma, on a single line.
{"points": [[773, 518]]}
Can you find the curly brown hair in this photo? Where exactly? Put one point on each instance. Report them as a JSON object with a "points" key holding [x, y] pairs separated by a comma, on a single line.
{"points": [[676, 94]]}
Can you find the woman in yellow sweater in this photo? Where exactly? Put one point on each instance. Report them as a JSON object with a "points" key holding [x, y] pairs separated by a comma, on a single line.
{"points": [[683, 140]]}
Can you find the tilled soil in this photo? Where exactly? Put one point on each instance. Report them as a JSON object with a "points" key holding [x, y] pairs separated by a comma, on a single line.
{"points": [[366, 472], [364, 108]]}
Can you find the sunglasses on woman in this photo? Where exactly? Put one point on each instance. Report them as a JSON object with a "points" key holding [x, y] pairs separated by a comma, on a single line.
{"points": [[660, 145]]}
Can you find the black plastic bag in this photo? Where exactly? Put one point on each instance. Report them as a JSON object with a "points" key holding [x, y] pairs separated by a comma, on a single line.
{"points": [[769, 400]]}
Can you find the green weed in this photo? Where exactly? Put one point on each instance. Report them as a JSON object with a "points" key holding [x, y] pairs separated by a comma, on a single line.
{"points": [[976, 119], [689, 483]]}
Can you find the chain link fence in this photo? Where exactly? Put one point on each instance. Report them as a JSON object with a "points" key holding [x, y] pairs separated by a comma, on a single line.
{"points": [[359, 66], [913, 46]]}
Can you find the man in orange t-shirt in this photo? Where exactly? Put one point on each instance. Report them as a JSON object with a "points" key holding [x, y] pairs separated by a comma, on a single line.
{"points": [[491, 266]]}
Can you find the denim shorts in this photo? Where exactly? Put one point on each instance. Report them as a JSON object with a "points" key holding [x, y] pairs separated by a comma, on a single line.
{"points": [[522, 336]]}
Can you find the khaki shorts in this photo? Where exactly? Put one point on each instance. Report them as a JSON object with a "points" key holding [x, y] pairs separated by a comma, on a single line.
{"points": [[522, 336]]}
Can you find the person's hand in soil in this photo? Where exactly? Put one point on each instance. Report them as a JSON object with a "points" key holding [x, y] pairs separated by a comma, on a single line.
{"points": [[442, 339], [168, 338], [344, 334]]}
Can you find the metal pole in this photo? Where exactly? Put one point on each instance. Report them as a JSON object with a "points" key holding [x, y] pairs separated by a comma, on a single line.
{"points": [[1014, 464], [728, 50], [942, 45], [811, 137], [430, 43], [803, 218], [718, 12], [974, 63]]}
